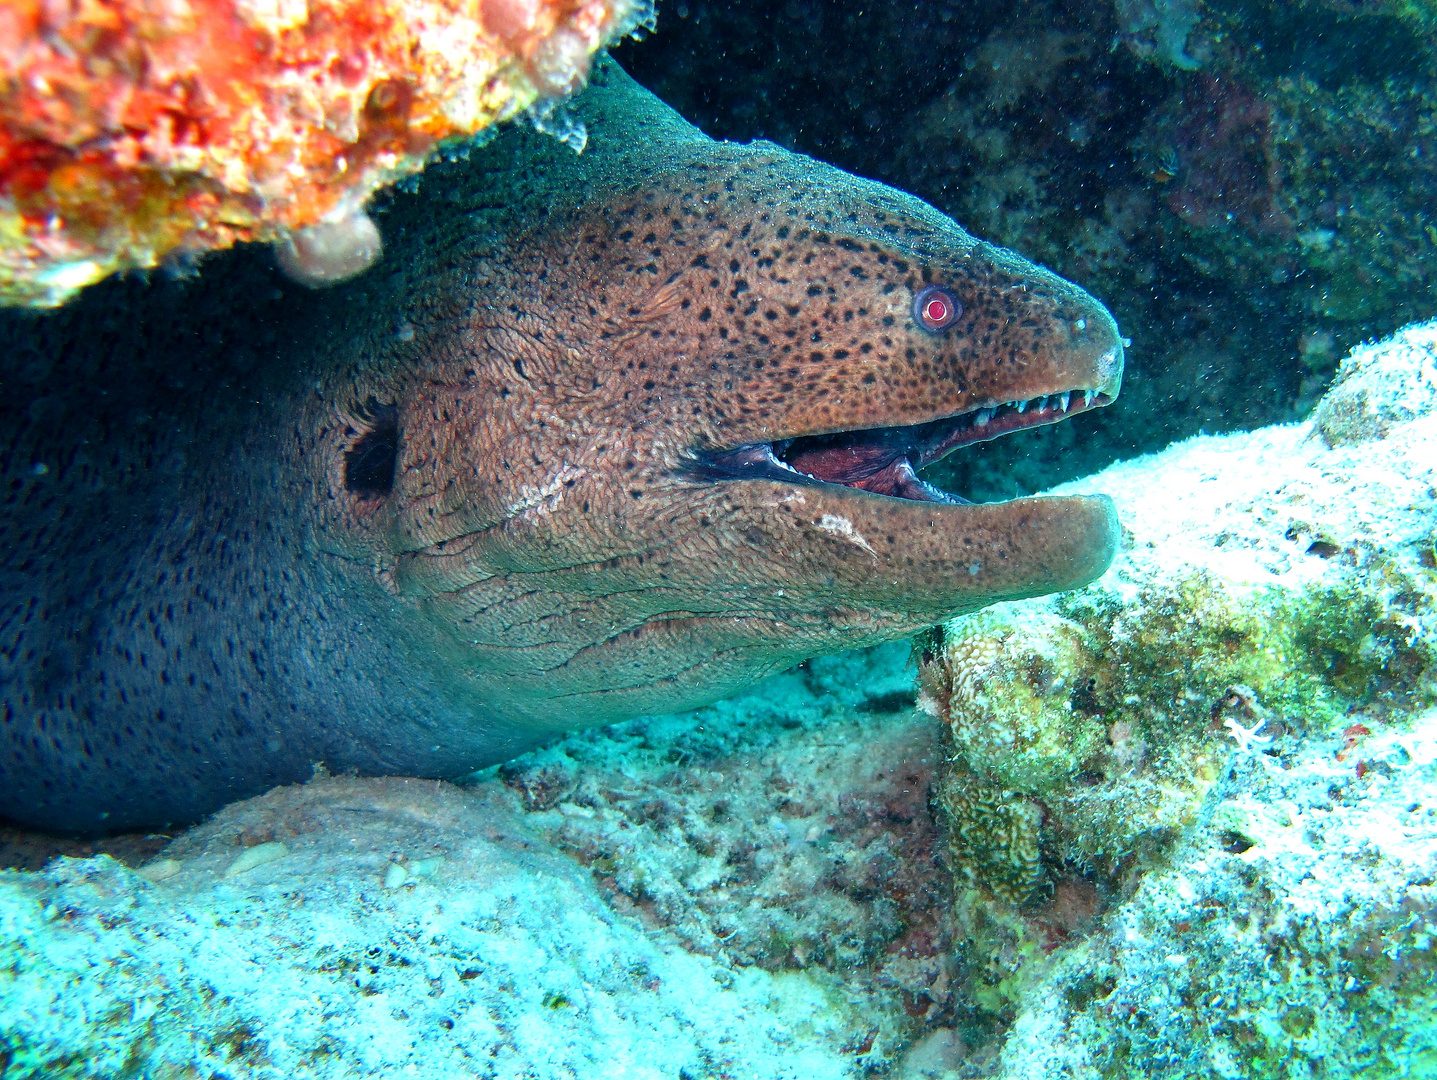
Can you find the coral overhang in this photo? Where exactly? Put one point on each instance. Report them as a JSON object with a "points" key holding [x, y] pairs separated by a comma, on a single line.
{"points": [[135, 130]]}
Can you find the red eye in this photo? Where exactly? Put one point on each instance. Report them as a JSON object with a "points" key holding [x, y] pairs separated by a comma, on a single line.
{"points": [[936, 308]]}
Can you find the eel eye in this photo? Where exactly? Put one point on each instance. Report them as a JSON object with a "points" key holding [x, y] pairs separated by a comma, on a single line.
{"points": [[936, 308]]}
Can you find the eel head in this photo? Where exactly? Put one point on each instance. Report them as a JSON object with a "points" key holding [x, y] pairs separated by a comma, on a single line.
{"points": [[678, 444]]}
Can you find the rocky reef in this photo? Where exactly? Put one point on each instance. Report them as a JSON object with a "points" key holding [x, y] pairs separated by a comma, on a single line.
{"points": [[1219, 757], [134, 134], [1182, 822], [747, 891]]}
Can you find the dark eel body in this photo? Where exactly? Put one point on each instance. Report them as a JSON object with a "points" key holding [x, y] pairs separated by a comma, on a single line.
{"points": [[600, 436]]}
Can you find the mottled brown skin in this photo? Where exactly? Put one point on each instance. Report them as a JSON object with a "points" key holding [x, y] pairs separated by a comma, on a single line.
{"points": [[553, 345]]}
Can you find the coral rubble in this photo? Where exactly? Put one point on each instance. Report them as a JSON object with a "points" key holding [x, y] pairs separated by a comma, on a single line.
{"points": [[1197, 741], [133, 133]]}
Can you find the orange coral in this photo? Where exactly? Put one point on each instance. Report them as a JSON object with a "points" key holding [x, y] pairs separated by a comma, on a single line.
{"points": [[134, 129]]}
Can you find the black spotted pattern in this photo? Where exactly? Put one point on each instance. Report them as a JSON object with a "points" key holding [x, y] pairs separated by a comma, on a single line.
{"points": [[421, 521]]}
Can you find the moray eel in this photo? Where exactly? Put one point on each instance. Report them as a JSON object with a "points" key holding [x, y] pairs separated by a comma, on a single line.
{"points": [[602, 435]]}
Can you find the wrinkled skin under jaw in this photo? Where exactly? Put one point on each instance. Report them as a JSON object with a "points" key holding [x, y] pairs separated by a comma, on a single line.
{"points": [[886, 461]]}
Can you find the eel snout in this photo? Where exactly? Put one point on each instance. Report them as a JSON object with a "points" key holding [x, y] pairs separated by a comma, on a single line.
{"points": [[906, 563], [897, 541], [886, 460]]}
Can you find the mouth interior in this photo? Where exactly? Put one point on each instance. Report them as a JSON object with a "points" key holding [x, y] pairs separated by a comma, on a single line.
{"points": [[886, 461]]}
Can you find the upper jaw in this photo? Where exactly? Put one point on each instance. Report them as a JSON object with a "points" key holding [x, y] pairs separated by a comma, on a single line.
{"points": [[886, 460]]}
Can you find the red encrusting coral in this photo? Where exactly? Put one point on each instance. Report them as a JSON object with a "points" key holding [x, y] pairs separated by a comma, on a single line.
{"points": [[134, 129]]}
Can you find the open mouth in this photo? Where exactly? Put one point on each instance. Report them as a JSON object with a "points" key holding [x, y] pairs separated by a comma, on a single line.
{"points": [[886, 461]]}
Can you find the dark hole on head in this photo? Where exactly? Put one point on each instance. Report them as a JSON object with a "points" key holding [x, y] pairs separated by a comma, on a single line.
{"points": [[369, 463]]}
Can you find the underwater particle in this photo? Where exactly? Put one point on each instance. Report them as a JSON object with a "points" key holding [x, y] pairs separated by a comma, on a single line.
{"points": [[331, 251], [134, 134], [395, 876]]}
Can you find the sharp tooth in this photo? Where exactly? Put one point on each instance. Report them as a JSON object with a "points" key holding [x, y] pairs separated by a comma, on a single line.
{"points": [[1021, 406], [1063, 402], [1087, 398], [770, 459], [982, 416]]}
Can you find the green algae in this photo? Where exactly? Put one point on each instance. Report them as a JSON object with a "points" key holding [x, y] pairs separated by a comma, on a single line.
{"points": [[1118, 714]]}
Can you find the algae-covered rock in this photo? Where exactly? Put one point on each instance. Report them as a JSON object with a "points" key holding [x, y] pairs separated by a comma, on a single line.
{"points": [[1378, 387], [376, 928], [1005, 689], [1301, 947], [1153, 781], [1268, 584]]}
